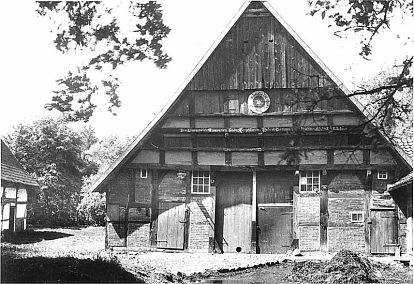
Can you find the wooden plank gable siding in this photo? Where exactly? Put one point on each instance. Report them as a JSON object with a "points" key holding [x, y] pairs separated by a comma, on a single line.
{"points": [[258, 53], [215, 102]]}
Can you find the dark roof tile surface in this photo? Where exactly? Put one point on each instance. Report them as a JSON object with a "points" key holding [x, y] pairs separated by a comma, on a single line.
{"points": [[12, 170]]}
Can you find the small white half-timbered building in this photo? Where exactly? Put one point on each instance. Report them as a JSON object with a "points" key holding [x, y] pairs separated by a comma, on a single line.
{"points": [[15, 183]]}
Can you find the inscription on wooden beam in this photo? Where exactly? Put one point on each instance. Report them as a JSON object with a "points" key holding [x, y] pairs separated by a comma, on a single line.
{"points": [[337, 128]]}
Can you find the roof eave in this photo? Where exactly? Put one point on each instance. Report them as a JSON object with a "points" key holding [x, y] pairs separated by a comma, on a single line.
{"points": [[30, 184]]}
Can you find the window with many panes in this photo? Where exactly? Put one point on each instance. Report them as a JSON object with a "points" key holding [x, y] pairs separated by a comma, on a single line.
{"points": [[382, 175], [200, 182], [310, 181]]}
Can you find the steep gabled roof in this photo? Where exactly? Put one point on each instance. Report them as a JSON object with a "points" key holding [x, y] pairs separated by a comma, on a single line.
{"points": [[135, 145], [12, 170]]}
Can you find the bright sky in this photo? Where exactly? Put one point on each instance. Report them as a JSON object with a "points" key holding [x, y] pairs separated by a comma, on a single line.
{"points": [[30, 63]]}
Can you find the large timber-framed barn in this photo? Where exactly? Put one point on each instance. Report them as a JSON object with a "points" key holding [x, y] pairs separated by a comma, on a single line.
{"points": [[260, 151]]}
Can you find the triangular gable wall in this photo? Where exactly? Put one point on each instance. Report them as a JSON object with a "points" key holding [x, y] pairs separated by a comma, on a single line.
{"points": [[245, 59], [258, 52]]}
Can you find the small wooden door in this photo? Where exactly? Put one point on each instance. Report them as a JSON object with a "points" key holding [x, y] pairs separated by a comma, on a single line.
{"points": [[234, 212], [275, 228], [171, 225], [384, 233]]}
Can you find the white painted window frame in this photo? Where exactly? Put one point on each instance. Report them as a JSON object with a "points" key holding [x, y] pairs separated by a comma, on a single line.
{"points": [[143, 173], [353, 213], [197, 178], [311, 176], [381, 174]]}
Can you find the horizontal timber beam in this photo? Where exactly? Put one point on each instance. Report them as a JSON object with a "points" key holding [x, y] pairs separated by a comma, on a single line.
{"points": [[166, 167], [264, 149], [315, 167], [283, 114]]}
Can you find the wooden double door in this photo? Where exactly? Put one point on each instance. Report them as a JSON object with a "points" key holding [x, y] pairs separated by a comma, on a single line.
{"points": [[235, 227]]}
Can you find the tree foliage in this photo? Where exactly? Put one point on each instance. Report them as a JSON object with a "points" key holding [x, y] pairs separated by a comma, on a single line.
{"points": [[114, 33], [52, 151], [366, 17], [392, 107], [388, 98]]}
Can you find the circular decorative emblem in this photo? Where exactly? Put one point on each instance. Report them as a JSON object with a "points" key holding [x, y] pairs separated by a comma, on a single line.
{"points": [[258, 102]]}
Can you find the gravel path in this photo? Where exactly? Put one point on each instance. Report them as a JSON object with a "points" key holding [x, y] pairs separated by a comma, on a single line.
{"points": [[188, 263]]}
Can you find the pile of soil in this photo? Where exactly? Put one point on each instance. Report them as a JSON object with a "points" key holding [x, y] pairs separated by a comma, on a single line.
{"points": [[345, 267]]}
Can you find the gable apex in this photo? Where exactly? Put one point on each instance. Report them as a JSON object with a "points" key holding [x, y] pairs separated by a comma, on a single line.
{"points": [[249, 11]]}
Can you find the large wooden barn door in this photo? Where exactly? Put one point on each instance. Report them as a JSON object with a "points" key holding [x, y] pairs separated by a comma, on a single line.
{"points": [[234, 212], [384, 233], [171, 225], [275, 228]]}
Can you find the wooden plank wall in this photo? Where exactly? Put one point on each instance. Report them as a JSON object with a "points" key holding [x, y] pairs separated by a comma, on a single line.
{"points": [[259, 53], [281, 100]]}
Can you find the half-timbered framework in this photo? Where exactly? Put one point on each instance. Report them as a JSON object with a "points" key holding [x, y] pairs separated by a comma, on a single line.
{"points": [[260, 151], [15, 183]]}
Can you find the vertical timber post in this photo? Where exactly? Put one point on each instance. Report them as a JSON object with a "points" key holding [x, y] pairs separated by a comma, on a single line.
{"points": [[211, 231], [324, 214], [254, 215], [367, 211], [187, 209], [154, 207]]}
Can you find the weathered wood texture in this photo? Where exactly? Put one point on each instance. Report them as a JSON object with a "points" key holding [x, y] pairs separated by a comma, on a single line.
{"points": [[233, 212], [258, 52], [384, 233], [275, 220], [275, 187], [171, 223], [281, 101], [275, 233]]}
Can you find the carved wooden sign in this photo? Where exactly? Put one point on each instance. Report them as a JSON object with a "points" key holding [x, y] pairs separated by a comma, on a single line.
{"points": [[266, 129]]}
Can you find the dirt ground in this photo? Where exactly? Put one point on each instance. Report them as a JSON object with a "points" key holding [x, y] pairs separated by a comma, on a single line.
{"points": [[151, 266]]}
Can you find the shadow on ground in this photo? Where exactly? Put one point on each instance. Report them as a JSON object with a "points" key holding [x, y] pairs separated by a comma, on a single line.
{"points": [[30, 237], [63, 270]]}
